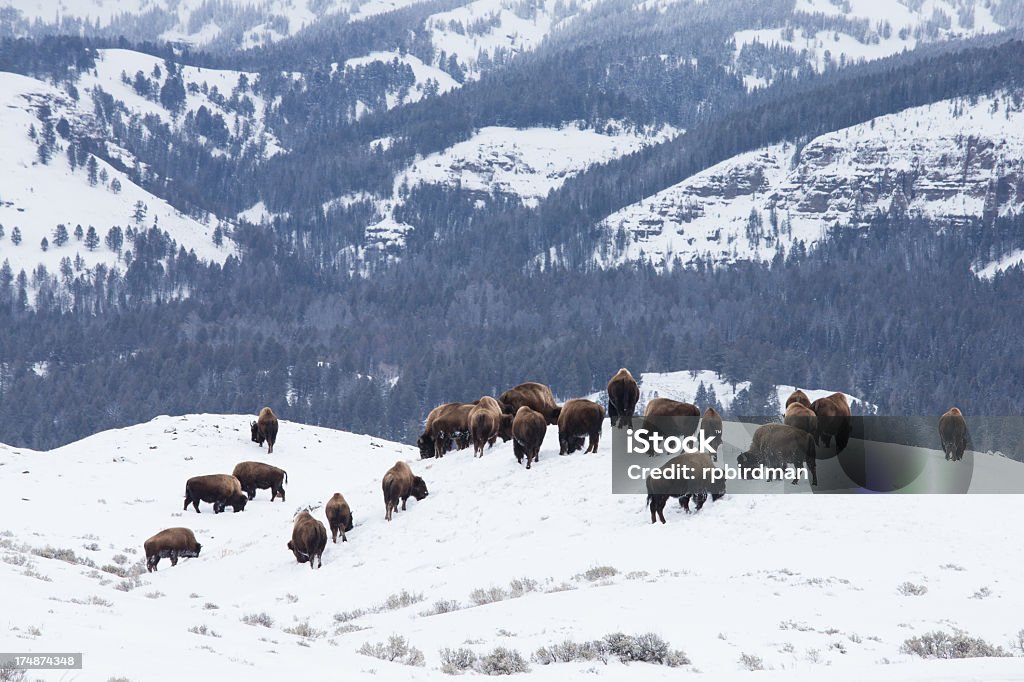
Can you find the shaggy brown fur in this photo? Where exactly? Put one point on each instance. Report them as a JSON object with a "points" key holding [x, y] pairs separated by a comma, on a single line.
{"points": [[399, 483], [220, 489], [698, 485], [170, 544], [339, 517], [711, 425], [834, 419], [579, 418], [265, 429], [953, 434], [253, 475], [446, 428], [798, 396], [623, 394], [535, 396], [802, 417], [486, 423], [779, 445], [528, 429], [309, 538], [671, 417]]}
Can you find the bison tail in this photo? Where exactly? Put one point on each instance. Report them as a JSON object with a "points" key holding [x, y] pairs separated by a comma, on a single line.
{"points": [[286, 477]]}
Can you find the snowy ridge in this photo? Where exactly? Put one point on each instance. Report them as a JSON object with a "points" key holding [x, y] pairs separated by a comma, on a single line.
{"points": [[957, 159], [791, 579], [430, 80]]}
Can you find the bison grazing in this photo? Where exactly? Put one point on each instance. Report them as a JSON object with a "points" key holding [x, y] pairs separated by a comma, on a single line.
{"points": [[446, 428], [671, 418], [579, 418], [689, 475], [778, 445], [798, 397], [834, 419], [170, 544], [802, 417], [533, 395], [398, 484], [623, 394], [711, 425], [265, 429], [253, 475], [220, 489], [487, 421], [953, 433], [309, 538], [339, 517], [528, 429]]}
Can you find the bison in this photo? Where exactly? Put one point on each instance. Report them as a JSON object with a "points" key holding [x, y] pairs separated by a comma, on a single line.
{"points": [[253, 475], [834, 419], [671, 418], [798, 397], [487, 421], [953, 434], [447, 427], [533, 395], [778, 445], [692, 476], [711, 425], [399, 483], [623, 394], [265, 429], [802, 417], [170, 544], [578, 419], [309, 538], [339, 517], [220, 489], [528, 429]]}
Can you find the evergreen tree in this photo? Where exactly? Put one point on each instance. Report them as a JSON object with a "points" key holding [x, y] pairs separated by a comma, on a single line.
{"points": [[60, 235], [91, 169], [16, 235], [92, 240], [79, 233], [114, 239], [44, 244]]}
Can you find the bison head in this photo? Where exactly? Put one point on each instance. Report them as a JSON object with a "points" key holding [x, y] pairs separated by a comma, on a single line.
{"points": [[505, 428], [198, 548], [257, 437], [301, 557], [426, 445], [238, 503], [554, 414], [419, 488], [348, 526], [745, 460]]}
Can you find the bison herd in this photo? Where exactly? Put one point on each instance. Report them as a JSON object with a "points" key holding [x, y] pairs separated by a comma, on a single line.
{"points": [[522, 414]]}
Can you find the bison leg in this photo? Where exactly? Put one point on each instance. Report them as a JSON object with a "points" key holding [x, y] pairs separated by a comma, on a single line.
{"points": [[658, 507], [151, 562], [684, 502], [701, 499], [185, 508], [174, 557], [405, 499], [595, 438]]}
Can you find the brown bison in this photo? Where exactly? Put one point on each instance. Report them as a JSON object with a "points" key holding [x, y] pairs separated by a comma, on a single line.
{"points": [[533, 395], [339, 517], [953, 434], [834, 419], [779, 445], [170, 544], [265, 429], [487, 421], [579, 418], [446, 428], [528, 429], [623, 394], [399, 483], [711, 425], [309, 538], [253, 475], [219, 489], [692, 476], [802, 417], [798, 397], [671, 418]]}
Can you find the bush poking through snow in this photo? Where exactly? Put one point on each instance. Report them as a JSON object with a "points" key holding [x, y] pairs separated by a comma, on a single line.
{"points": [[11, 675], [751, 662], [598, 573], [258, 619], [909, 589], [392, 603], [202, 630], [457, 661], [517, 588], [571, 652], [940, 644], [442, 606], [502, 661], [646, 648], [396, 650], [306, 630]]}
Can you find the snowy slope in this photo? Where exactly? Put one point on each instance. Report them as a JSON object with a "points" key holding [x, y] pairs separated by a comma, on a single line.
{"points": [[955, 158], [427, 77], [36, 197], [792, 579]]}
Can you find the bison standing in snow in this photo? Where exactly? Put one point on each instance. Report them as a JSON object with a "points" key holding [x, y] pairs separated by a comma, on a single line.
{"points": [[623, 394], [487, 421], [778, 445], [690, 475], [219, 489], [399, 483], [264, 429], [447, 427], [309, 538], [579, 418], [834, 419], [533, 395], [253, 475], [171, 543], [953, 434], [528, 429], [339, 517]]}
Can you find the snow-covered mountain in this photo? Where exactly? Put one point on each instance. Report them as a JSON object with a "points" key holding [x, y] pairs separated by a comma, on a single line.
{"points": [[495, 557], [950, 160]]}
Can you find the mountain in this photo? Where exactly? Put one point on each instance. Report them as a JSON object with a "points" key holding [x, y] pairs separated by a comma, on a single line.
{"points": [[769, 581]]}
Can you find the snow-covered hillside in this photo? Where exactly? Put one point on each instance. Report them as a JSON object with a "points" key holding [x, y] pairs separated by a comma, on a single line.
{"points": [[950, 160], [502, 557]]}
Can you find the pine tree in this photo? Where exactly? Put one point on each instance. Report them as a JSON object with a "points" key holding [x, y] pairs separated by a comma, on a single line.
{"points": [[78, 232], [16, 235], [72, 160], [91, 170], [92, 240], [115, 239], [60, 235], [139, 212], [44, 244]]}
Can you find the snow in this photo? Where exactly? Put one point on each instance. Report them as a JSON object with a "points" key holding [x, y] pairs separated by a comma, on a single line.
{"points": [[422, 72], [990, 270], [954, 153], [798, 580]]}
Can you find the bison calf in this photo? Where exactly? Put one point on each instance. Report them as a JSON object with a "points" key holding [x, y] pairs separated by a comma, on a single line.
{"points": [[170, 544], [309, 538], [623, 394], [579, 418], [264, 429], [253, 475], [219, 489], [399, 483], [339, 517], [528, 429]]}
